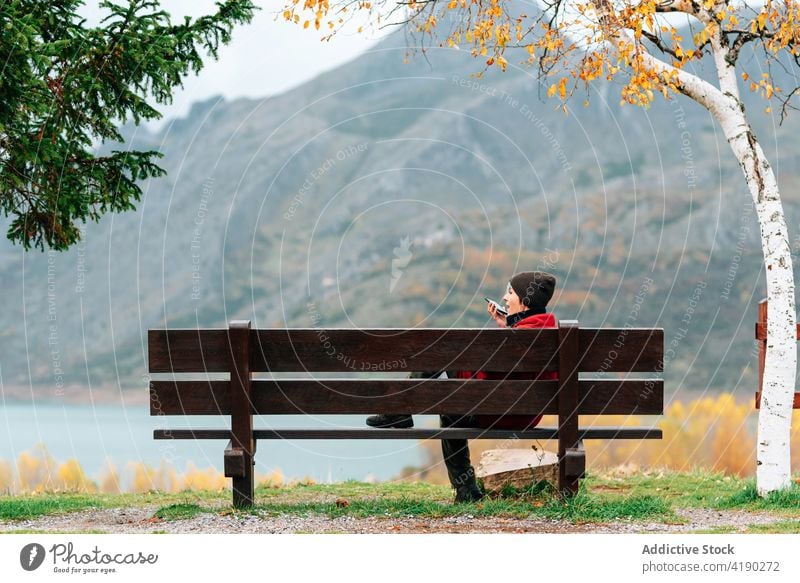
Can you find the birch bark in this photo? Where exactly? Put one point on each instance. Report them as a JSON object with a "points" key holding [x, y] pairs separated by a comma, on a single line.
{"points": [[773, 465]]}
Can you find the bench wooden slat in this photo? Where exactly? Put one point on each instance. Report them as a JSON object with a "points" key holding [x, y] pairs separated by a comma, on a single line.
{"points": [[366, 396], [354, 350], [621, 350], [415, 434], [387, 349], [190, 350]]}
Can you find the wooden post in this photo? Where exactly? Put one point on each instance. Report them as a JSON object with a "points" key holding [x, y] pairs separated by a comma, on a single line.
{"points": [[568, 358], [761, 338], [239, 455]]}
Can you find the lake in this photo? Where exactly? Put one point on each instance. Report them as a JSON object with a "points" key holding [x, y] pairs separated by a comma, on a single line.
{"points": [[94, 434]]}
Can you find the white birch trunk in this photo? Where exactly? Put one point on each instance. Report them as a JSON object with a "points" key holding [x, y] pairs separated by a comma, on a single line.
{"points": [[773, 469]]}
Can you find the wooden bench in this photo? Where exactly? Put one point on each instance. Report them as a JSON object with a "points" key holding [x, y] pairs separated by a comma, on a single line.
{"points": [[761, 338], [243, 352]]}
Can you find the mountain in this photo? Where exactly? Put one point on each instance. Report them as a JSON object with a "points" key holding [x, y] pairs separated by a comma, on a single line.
{"points": [[392, 194]]}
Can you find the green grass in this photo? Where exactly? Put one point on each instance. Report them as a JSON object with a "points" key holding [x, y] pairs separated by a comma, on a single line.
{"points": [[717, 530], [702, 489], [778, 527], [649, 496], [179, 511], [782, 527], [25, 507], [747, 497], [21, 507], [424, 500]]}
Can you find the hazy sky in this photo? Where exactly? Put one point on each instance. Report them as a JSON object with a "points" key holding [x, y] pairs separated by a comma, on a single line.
{"points": [[266, 57]]}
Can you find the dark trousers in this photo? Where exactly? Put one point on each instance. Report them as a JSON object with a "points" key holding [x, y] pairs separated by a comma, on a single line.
{"points": [[456, 451]]}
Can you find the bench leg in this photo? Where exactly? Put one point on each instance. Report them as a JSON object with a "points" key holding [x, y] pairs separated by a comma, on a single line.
{"points": [[571, 469], [242, 447], [239, 466], [243, 488], [568, 387]]}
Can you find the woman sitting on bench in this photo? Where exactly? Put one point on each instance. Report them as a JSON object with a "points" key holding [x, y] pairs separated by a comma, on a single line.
{"points": [[526, 297]]}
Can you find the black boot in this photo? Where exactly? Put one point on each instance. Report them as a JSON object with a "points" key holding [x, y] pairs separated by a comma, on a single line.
{"points": [[456, 458], [390, 421], [469, 492]]}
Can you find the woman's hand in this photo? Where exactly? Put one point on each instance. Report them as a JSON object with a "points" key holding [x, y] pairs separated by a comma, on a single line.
{"points": [[496, 316]]}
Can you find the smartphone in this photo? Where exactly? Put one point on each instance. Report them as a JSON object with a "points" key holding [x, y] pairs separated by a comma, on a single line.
{"points": [[500, 308]]}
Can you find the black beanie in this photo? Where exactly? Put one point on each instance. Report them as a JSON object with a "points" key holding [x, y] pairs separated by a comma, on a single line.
{"points": [[534, 288]]}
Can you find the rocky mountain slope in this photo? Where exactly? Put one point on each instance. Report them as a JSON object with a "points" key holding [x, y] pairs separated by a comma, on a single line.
{"points": [[392, 194]]}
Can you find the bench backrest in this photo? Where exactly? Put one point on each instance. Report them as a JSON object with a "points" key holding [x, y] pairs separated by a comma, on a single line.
{"points": [[242, 351]]}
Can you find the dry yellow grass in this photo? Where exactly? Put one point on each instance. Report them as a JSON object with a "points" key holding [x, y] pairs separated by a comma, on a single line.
{"points": [[715, 432]]}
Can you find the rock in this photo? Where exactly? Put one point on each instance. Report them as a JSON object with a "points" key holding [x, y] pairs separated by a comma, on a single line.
{"points": [[519, 468]]}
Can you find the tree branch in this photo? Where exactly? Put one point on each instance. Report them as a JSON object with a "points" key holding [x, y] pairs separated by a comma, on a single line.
{"points": [[743, 37], [682, 6], [690, 85], [786, 105], [656, 40]]}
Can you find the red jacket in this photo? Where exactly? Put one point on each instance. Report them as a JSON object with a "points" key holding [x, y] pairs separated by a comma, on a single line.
{"points": [[518, 422]]}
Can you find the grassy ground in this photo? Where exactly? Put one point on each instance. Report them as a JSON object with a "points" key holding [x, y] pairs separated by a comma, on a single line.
{"points": [[652, 497]]}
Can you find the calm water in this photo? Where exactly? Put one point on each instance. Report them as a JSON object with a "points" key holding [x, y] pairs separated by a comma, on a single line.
{"points": [[93, 435]]}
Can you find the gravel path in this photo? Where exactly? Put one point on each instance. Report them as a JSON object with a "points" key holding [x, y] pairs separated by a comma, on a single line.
{"points": [[141, 520]]}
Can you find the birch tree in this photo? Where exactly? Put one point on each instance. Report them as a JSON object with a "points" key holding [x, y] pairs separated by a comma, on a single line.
{"points": [[573, 43]]}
